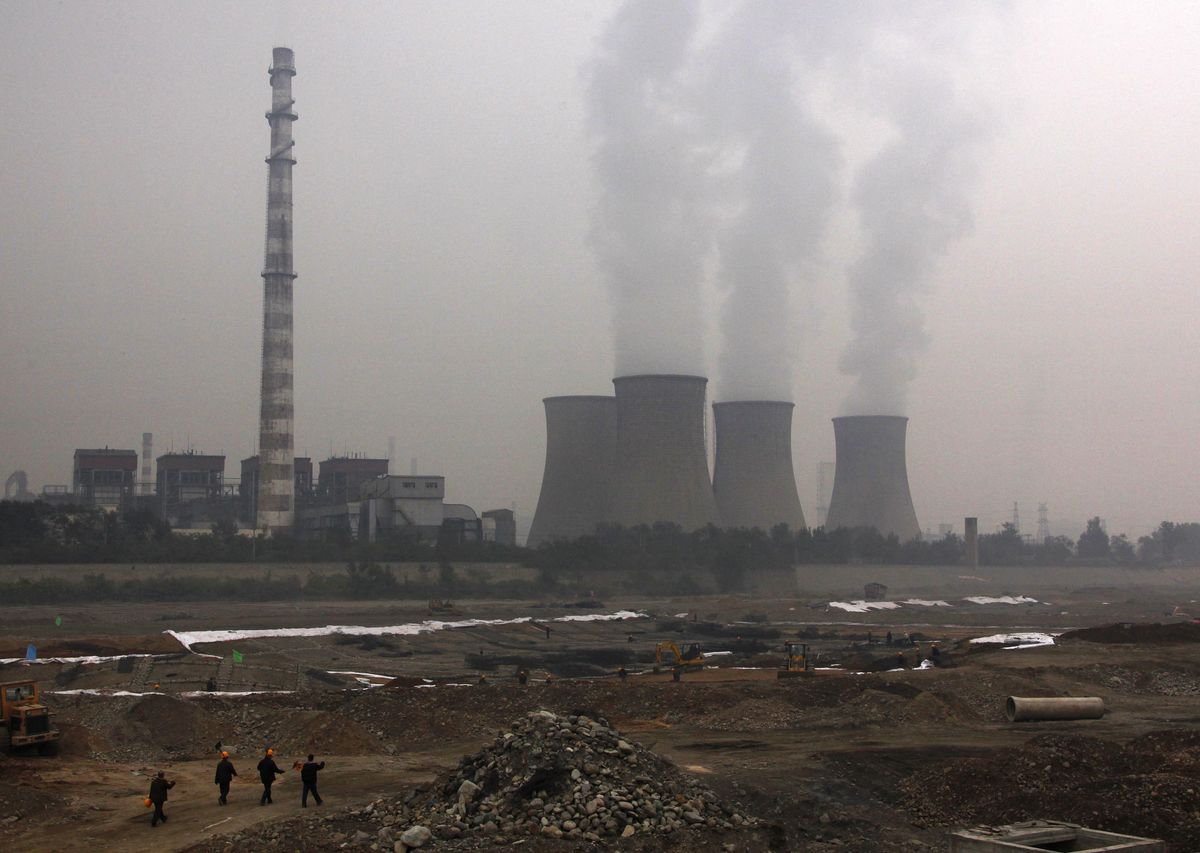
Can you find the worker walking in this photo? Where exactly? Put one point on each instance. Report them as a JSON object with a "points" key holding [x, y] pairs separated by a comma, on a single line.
{"points": [[308, 775], [158, 795], [267, 771], [225, 774]]}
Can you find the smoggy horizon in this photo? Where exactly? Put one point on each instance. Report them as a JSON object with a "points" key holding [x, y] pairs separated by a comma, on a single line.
{"points": [[975, 216]]}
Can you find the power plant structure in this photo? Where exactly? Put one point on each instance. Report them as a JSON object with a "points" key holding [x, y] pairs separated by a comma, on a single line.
{"points": [[870, 482], [661, 471], [276, 495], [753, 481], [577, 482]]}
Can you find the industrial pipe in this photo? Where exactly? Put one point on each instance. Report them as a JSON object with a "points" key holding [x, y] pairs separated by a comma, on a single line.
{"points": [[1019, 709]]}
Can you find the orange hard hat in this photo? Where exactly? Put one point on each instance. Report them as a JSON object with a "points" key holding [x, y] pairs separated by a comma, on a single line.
{"points": [[270, 752], [224, 754], [147, 802]]}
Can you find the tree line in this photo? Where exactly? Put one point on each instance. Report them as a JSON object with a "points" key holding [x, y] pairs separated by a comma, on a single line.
{"points": [[36, 532]]}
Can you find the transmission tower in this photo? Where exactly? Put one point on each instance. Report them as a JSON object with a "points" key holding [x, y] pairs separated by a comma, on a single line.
{"points": [[1016, 521], [1043, 532], [824, 474]]}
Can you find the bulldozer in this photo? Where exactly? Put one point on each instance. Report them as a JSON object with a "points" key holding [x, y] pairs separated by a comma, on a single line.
{"points": [[24, 720], [795, 661], [691, 656]]}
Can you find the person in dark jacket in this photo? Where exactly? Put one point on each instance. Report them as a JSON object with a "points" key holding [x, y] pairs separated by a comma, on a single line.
{"points": [[225, 774], [158, 795], [267, 771], [308, 775]]}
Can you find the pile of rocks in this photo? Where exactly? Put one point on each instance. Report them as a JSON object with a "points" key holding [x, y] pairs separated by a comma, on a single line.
{"points": [[572, 777]]}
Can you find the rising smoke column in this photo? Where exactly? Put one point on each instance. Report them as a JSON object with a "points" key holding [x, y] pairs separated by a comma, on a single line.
{"points": [[912, 197], [780, 194], [651, 228]]}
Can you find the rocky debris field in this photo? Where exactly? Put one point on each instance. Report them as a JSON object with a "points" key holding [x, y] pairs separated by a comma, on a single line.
{"points": [[574, 776], [1149, 786]]}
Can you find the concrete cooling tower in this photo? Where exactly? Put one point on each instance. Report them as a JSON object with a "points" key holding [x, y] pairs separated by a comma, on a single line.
{"points": [[662, 466], [753, 481], [870, 483], [581, 446]]}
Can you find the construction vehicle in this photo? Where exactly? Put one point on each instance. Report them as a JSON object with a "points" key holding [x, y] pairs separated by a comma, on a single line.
{"points": [[442, 605], [795, 661], [691, 656], [25, 721]]}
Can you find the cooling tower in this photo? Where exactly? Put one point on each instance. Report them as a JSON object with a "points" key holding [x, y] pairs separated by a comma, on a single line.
{"points": [[276, 473], [581, 446], [753, 481], [662, 466], [870, 483]]}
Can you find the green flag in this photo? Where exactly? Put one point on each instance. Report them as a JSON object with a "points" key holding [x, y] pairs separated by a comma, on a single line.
{"points": [[238, 657], [58, 621]]}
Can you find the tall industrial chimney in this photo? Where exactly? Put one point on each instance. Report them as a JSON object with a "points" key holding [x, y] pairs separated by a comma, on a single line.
{"points": [[146, 486], [870, 482], [753, 481], [661, 472], [276, 475], [581, 448]]}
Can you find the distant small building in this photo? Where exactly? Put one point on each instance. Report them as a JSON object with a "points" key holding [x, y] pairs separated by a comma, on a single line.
{"points": [[500, 526], [104, 477], [340, 477]]}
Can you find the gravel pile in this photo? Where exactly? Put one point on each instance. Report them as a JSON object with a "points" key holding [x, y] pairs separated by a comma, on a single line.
{"points": [[573, 776]]}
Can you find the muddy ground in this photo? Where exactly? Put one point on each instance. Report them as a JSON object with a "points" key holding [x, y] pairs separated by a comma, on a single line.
{"points": [[857, 759]]}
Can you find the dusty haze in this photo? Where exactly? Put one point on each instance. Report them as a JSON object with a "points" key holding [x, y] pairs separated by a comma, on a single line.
{"points": [[454, 163]]}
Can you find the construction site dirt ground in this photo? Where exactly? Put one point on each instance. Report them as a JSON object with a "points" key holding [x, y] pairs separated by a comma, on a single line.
{"points": [[862, 756]]}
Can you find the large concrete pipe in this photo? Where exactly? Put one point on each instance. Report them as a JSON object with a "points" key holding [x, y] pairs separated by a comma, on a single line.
{"points": [[1021, 708]]}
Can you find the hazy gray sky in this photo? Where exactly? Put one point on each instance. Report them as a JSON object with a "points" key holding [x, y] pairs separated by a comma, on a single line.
{"points": [[446, 238]]}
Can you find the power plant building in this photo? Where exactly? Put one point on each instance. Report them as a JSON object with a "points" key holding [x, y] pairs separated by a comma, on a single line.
{"points": [[577, 482], [661, 472], [340, 478], [104, 477], [870, 484], [753, 480], [184, 477], [248, 485]]}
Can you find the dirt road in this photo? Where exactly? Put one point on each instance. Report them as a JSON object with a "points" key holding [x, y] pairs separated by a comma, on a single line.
{"points": [[109, 815]]}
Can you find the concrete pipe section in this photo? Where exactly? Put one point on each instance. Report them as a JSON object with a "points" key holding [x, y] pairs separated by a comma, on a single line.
{"points": [[1021, 709]]}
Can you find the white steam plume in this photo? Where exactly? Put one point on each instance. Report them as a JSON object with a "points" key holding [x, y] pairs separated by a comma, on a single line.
{"points": [[652, 225], [782, 191], [912, 197]]}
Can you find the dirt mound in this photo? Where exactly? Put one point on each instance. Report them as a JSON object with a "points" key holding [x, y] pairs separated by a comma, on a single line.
{"points": [[1155, 633], [572, 776], [326, 733], [1145, 788], [174, 728]]}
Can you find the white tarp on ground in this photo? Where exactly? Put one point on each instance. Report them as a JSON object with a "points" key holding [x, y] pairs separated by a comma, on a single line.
{"points": [[1024, 640], [1003, 599], [863, 606], [189, 694], [189, 638], [924, 602], [83, 659]]}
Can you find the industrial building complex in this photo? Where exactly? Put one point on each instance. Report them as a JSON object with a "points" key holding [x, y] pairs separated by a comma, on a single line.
{"points": [[637, 457]]}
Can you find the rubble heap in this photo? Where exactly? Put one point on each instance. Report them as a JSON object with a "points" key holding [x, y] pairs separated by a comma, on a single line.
{"points": [[573, 777]]}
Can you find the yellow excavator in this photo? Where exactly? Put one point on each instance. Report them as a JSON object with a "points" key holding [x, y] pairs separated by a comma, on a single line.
{"points": [[25, 721], [690, 656], [795, 661]]}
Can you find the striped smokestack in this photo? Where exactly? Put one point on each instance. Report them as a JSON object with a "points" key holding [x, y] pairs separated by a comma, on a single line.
{"points": [[276, 479], [870, 483], [753, 479], [581, 445], [662, 464]]}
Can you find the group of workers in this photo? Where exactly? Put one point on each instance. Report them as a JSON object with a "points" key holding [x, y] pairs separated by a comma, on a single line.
{"points": [[267, 771]]}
